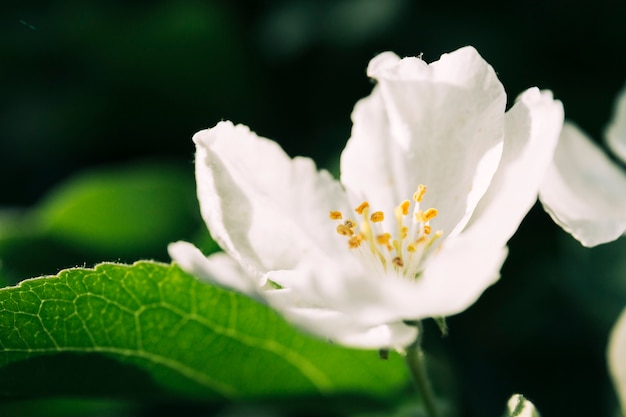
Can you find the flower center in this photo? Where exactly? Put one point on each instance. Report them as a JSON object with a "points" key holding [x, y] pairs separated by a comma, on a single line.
{"points": [[400, 251]]}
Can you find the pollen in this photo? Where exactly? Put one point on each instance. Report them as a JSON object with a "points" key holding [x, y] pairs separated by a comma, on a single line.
{"points": [[426, 216], [344, 230], [430, 214], [377, 217], [364, 205], [419, 194], [400, 250], [355, 241], [384, 240], [405, 207]]}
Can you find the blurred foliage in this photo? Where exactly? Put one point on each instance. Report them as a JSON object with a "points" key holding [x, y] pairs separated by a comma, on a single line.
{"points": [[119, 213], [92, 87]]}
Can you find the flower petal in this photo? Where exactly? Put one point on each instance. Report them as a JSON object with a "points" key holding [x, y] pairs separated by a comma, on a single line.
{"points": [[532, 128], [584, 191], [617, 359], [219, 268], [441, 125], [342, 329], [616, 131], [266, 210], [453, 280]]}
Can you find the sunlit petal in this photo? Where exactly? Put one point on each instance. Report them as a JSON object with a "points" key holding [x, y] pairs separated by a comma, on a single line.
{"points": [[584, 191]]}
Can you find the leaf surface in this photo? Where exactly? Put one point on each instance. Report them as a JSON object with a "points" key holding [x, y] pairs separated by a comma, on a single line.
{"points": [[150, 329]]}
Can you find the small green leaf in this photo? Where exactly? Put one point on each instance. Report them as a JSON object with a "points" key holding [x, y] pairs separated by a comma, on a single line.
{"points": [[150, 329], [132, 210]]}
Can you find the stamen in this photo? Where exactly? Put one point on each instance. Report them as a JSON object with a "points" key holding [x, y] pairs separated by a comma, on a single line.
{"points": [[400, 252], [377, 217], [419, 194], [362, 207], [383, 240], [336, 215], [344, 230], [426, 216], [355, 241], [430, 214], [405, 207]]}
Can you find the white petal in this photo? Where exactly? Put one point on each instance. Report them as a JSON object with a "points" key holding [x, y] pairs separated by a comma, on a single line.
{"points": [[458, 274], [616, 132], [453, 280], [340, 328], [268, 211], [532, 129], [441, 125], [387, 336], [218, 268], [371, 163], [584, 191], [617, 359]]}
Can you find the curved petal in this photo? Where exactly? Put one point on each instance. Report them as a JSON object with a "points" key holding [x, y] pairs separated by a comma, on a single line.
{"points": [[453, 280], [532, 128], [584, 191], [266, 210], [617, 359], [386, 336], [616, 131], [340, 328], [218, 268], [441, 125]]}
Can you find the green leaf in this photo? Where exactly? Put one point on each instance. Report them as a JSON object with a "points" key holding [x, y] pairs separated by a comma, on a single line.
{"points": [[150, 329], [132, 210]]}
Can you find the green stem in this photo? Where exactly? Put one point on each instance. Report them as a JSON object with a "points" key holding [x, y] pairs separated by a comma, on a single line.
{"points": [[415, 362]]}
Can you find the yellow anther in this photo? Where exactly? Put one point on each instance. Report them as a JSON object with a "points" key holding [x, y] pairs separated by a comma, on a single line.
{"points": [[344, 230], [383, 239], [425, 216], [419, 194], [336, 215], [397, 261], [405, 207], [350, 223], [427, 229], [355, 241], [362, 207], [421, 240], [378, 216], [404, 232], [430, 214]]}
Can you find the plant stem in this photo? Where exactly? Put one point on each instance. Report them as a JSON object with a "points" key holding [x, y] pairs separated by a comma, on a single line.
{"points": [[415, 362]]}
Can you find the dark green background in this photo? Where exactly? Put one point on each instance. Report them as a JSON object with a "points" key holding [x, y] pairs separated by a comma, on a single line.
{"points": [[89, 84]]}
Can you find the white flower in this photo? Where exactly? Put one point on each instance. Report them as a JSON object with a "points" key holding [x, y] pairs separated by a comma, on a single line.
{"points": [[584, 191], [617, 359], [357, 261]]}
